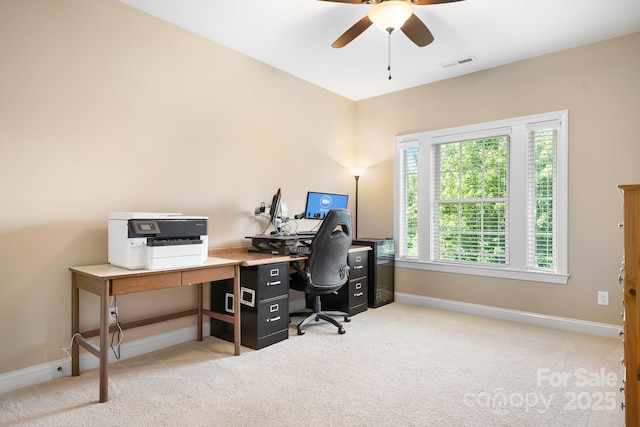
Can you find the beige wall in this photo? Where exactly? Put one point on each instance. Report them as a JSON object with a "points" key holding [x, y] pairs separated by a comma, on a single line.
{"points": [[104, 108], [107, 109], [600, 86]]}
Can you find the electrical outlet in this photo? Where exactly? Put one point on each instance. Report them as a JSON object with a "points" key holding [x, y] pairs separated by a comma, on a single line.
{"points": [[113, 315], [603, 298]]}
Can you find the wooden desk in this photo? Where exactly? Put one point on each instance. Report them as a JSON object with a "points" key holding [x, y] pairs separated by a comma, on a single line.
{"points": [[250, 259], [267, 303], [105, 280]]}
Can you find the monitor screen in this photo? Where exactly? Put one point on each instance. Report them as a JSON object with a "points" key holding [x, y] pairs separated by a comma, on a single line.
{"points": [[275, 206], [319, 204]]}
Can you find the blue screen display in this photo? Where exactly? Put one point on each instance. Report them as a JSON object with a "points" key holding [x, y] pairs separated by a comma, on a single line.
{"points": [[319, 204]]}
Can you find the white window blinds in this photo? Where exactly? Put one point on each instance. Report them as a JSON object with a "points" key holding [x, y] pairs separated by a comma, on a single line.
{"points": [[470, 201], [542, 196], [408, 201]]}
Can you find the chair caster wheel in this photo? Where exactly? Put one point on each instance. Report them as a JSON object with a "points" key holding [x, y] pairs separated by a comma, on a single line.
{"points": [[341, 331], [300, 332], [347, 319]]}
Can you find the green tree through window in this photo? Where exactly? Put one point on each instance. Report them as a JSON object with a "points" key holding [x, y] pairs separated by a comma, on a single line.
{"points": [[470, 198]]}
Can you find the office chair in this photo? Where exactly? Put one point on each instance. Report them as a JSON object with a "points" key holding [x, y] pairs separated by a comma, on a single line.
{"points": [[326, 270]]}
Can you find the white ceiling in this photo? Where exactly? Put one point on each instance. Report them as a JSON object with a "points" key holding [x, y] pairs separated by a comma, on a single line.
{"points": [[295, 36]]}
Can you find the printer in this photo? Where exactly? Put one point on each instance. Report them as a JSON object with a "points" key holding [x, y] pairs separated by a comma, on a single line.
{"points": [[153, 241]]}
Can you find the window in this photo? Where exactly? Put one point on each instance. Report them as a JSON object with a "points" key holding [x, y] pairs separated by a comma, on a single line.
{"points": [[487, 199], [470, 200]]}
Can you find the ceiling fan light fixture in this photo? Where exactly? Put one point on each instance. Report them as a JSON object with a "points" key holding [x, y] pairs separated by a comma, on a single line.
{"points": [[390, 15]]}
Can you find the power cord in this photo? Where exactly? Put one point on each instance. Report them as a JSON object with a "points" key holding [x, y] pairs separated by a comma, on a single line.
{"points": [[116, 350], [119, 332], [66, 349]]}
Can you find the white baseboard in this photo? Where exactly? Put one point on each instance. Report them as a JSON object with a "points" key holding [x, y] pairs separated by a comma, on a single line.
{"points": [[581, 326], [61, 368]]}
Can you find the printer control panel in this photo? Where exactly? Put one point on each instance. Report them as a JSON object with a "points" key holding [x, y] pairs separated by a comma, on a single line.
{"points": [[139, 226]]}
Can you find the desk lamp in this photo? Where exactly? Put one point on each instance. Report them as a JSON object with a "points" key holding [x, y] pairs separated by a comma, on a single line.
{"points": [[357, 172]]}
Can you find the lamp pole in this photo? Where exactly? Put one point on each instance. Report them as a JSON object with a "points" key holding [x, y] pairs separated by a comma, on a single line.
{"points": [[356, 224], [357, 172]]}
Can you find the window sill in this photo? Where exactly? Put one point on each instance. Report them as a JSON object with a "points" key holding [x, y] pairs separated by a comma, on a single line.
{"points": [[533, 276]]}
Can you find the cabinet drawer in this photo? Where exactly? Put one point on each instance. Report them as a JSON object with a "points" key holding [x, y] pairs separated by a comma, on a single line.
{"points": [[265, 318], [358, 292], [273, 316], [268, 281], [357, 264], [207, 275], [145, 283]]}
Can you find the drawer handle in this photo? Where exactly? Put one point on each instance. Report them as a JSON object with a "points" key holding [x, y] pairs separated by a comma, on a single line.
{"points": [[273, 319], [276, 283], [358, 267], [247, 296], [228, 303], [359, 294]]}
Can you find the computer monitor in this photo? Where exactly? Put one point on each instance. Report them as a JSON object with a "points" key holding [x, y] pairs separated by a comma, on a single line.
{"points": [[275, 208], [319, 204]]}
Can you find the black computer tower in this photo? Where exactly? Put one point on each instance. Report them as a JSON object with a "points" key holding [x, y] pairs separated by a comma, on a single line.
{"points": [[381, 269]]}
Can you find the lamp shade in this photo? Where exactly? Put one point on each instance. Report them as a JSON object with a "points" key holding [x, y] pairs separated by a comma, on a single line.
{"points": [[357, 170], [390, 15]]}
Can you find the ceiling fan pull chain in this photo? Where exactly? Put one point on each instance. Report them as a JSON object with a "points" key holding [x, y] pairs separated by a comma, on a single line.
{"points": [[389, 65]]}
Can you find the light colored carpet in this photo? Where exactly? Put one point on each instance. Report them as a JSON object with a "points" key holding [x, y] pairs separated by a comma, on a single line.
{"points": [[397, 365]]}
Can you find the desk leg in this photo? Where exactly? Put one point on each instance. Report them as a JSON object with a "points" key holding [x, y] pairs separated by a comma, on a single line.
{"points": [[236, 310], [75, 326], [199, 305], [104, 348]]}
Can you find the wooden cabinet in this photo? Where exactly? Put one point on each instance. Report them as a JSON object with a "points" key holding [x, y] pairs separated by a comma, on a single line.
{"points": [[630, 277]]}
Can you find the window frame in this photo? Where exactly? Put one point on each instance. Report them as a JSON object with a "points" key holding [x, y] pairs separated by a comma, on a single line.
{"points": [[518, 130]]}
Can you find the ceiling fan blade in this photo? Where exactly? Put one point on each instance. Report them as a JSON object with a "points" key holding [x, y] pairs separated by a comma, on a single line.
{"points": [[352, 32], [421, 2], [417, 32]]}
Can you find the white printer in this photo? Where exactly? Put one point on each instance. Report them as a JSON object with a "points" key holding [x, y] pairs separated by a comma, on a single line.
{"points": [[153, 241]]}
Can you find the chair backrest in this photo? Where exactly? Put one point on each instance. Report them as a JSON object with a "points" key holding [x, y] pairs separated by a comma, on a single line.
{"points": [[327, 263]]}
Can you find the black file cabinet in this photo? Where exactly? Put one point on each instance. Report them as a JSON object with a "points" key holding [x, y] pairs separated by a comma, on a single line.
{"points": [[264, 305], [380, 270], [352, 297]]}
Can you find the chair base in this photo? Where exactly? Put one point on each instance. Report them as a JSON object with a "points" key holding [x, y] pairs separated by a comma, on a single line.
{"points": [[311, 316]]}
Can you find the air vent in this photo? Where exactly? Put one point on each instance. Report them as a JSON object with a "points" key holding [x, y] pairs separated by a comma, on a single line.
{"points": [[459, 62]]}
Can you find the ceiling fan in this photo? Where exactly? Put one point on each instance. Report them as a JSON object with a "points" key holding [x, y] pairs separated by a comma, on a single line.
{"points": [[389, 15]]}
